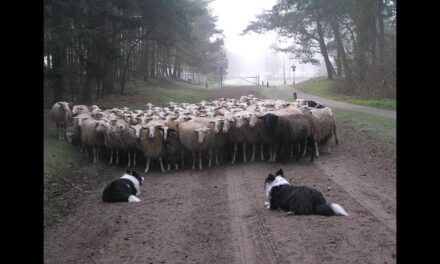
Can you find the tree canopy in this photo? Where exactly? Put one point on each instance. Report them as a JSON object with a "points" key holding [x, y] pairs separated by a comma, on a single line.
{"points": [[91, 48], [358, 37]]}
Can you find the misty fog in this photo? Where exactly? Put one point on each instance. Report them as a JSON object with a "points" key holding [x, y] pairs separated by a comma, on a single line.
{"points": [[251, 54]]}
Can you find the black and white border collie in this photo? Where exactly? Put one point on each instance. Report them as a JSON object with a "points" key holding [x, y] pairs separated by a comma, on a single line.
{"points": [[125, 189], [298, 200]]}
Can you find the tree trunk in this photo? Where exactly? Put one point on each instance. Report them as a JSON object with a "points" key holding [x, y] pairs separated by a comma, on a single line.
{"points": [[58, 70], [147, 61], [323, 48], [381, 35], [340, 48]]}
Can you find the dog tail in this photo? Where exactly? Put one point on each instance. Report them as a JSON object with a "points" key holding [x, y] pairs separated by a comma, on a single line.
{"points": [[338, 209]]}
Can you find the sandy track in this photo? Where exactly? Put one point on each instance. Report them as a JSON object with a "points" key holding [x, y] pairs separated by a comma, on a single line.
{"points": [[217, 216]]}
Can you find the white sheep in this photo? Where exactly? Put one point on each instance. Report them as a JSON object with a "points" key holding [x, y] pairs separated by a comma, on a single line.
{"points": [[194, 137], [92, 135], [80, 109], [61, 116], [152, 142]]}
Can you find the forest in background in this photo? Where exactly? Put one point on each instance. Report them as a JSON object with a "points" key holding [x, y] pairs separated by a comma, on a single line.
{"points": [[355, 38], [92, 48]]}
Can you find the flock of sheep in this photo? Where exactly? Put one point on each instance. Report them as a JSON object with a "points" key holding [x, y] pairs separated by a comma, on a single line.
{"points": [[166, 134]]}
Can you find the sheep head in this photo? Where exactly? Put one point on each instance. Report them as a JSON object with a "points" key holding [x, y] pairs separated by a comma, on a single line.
{"points": [[254, 119], [242, 120], [152, 130], [217, 125], [201, 134]]}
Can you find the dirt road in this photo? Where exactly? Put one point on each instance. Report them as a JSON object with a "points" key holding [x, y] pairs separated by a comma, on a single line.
{"points": [[217, 215], [332, 103]]}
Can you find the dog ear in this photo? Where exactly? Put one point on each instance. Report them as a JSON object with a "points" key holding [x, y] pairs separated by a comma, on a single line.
{"points": [[128, 171], [280, 172]]}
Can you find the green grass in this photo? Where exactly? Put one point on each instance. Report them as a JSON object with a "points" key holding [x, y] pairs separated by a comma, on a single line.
{"points": [[320, 86], [138, 93], [59, 156], [383, 129], [274, 93]]}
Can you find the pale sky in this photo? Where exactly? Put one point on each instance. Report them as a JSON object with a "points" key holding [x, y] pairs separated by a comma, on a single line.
{"points": [[251, 51]]}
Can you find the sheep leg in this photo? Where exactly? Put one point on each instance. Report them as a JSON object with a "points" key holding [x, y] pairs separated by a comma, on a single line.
{"points": [[291, 150], [336, 137], [134, 159], [97, 154], [58, 132], [262, 150], [86, 151], [117, 156], [64, 133], [244, 152], [111, 157], [129, 159], [301, 151], [182, 159], [234, 153], [305, 148], [316, 149], [194, 160], [148, 165], [177, 165], [94, 155], [200, 160], [210, 157], [270, 152], [253, 152], [275, 152], [216, 157], [161, 165], [328, 146]]}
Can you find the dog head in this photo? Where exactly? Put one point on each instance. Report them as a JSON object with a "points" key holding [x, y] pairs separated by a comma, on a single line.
{"points": [[273, 180], [134, 174]]}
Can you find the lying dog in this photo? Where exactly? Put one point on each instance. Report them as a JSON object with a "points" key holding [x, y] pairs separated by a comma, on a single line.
{"points": [[125, 189], [298, 200]]}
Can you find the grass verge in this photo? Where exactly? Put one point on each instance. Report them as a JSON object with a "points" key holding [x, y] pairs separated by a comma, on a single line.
{"points": [[138, 93], [320, 86]]}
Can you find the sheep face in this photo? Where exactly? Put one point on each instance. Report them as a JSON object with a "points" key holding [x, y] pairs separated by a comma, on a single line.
{"points": [[164, 132], [270, 120], [242, 120], [254, 119], [227, 125], [101, 127], [201, 134], [305, 110], [167, 133], [218, 125], [137, 130], [78, 109], [152, 130]]}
